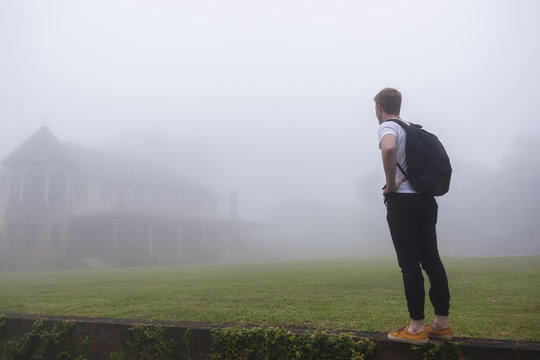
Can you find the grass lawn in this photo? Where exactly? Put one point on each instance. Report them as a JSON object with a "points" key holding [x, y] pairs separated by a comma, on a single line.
{"points": [[491, 297]]}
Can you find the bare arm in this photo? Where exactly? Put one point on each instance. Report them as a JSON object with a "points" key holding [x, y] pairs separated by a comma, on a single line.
{"points": [[389, 159]]}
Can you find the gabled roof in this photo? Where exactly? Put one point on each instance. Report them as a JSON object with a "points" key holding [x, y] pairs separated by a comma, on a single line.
{"points": [[119, 168], [40, 148], [43, 148]]}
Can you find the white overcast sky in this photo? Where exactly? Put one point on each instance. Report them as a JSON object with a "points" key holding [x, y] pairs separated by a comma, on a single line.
{"points": [[269, 97]]}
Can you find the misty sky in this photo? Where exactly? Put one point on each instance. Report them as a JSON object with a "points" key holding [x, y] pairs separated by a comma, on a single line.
{"points": [[272, 99]]}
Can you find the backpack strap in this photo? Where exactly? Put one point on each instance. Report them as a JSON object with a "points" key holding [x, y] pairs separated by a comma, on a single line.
{"points": [[402, 171]]}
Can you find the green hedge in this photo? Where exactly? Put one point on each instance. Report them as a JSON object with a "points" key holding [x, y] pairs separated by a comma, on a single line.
{"points": [[281, 344], [43, 343]]}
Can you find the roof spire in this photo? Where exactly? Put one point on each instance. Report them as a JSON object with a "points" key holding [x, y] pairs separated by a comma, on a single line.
{"points": [[41, 147]]}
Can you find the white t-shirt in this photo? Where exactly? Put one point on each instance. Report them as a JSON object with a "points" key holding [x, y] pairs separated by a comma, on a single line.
{"points": [[390, 127]]}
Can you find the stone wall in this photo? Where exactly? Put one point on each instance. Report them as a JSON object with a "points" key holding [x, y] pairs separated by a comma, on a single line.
{"points": [[110, 335]]}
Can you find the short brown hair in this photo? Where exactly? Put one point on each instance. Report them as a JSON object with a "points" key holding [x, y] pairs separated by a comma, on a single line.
{"points": [[390, 100]]}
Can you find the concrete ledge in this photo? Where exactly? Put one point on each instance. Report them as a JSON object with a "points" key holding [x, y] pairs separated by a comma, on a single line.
{"points": [[109, 335]]}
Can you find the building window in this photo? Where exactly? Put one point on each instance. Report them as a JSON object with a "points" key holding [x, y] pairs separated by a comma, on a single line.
{"points": [[31, 236], [106, 194], [57, 188], [80, 189], [34, 187]]}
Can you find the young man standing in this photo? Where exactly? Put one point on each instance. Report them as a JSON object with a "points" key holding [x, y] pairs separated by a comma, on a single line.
{"points": [[411, 218]]}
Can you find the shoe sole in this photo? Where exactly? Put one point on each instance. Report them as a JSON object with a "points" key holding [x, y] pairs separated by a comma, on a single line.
{"points": [[440, 337], [407, 341]]}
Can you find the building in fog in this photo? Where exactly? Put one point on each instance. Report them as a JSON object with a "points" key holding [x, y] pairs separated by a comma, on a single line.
{"points": [[62, 203]]}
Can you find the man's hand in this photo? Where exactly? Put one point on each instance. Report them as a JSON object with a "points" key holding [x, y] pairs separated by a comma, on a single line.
{"points": [[390, 188]]}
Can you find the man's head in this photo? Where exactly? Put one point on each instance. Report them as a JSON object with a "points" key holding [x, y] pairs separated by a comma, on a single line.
{"points": [[389, 101]]}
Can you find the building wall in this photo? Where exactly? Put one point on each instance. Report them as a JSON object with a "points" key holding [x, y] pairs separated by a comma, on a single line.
{"points": [[36, 215], [102, 197], [49, 213], [96, 198]]}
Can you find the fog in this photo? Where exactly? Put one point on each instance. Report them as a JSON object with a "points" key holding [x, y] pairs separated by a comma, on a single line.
{"points": [[273, 100]]}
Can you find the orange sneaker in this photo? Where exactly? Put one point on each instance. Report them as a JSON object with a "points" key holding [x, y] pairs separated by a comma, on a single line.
{"points": [[403, 335], [445, 333]]}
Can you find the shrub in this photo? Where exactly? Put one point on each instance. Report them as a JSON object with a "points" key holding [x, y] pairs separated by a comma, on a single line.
{"points": [[281, 344]]}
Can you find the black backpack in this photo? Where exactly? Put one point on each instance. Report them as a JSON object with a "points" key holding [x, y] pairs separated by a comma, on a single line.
{"points": [[428, 165]]}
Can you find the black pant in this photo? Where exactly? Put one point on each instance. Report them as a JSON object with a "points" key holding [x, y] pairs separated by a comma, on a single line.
{"points": [[412, 219]]}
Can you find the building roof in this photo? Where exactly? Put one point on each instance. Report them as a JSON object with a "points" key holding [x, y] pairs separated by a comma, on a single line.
{"points": [[120, 168], [41, 147]]}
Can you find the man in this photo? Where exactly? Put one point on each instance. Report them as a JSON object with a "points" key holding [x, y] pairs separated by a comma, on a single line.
{"points": [[411, 219]]}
